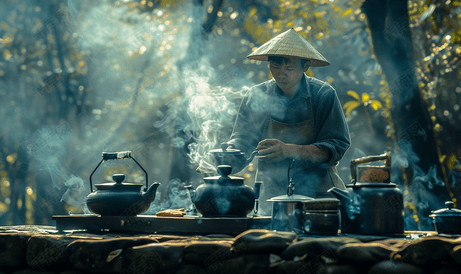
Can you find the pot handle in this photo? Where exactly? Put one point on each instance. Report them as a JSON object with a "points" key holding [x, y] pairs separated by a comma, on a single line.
{"points": [[386, 156], [107, 156]]}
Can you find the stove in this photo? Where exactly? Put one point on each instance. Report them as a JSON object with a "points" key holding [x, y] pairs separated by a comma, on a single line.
{"points": [[151, 224]]}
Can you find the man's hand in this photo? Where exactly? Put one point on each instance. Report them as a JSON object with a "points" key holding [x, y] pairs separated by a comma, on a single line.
{"points": [[275, 150]]}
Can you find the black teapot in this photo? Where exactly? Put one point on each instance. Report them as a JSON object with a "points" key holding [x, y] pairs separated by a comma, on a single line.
{"points": [[119, 198], [224, 196], [371, 207]]}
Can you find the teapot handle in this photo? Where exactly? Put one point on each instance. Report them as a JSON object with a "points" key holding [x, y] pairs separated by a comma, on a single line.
{"points": [[107, 156], [386, 156]]}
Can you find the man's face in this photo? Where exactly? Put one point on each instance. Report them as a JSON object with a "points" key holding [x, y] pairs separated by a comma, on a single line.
{"points": [[288, 74]]}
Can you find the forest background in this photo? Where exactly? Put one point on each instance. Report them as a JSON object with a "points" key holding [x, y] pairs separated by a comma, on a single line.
{"points": [[164, 80]]}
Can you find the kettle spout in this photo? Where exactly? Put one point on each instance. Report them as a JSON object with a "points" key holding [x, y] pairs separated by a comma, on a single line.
{"points": [[341, 195], [149, 195]]}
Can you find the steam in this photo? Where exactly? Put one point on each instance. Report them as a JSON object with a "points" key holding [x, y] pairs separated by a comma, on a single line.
{"points": [[47, 151], [75, 193], [419, 190], [125, 50]]}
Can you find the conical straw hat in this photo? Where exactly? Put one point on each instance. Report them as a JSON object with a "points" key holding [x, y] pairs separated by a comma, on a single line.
{"points": [[289, 44]]}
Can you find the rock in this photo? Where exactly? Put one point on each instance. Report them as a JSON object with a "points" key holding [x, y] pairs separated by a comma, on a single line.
{"points": [[201, 252], [262, 241], [71, 272], [33, 271], [364, 252], [289, 267], [337, 269], [456, 254], [156, 257], [191, 269], [13, 248], [447, 271], [316, 247], [243, 264], [391, 267], [47, 251], [169, 238], [431, 250], [103, 256]]}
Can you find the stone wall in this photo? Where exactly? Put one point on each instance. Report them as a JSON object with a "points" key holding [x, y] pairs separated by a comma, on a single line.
{"points": [[254, 251]]}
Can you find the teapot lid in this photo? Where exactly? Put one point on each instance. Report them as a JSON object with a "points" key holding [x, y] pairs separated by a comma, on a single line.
{"points": [[225, 149], [118, 184], [449, 211], [357, 185], [290, 198], [121, 187]]}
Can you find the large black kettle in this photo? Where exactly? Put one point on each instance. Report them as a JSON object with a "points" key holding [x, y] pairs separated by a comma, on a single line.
{"points": [[372, 205], [119, 198]]}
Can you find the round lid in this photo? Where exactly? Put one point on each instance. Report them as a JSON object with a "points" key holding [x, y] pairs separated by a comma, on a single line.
{"points": [[372, 185], [449, 211], [119, 184], [226, 151], [292, 198]]}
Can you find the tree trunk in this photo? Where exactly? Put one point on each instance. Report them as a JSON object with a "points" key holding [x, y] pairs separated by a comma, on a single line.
{"points": [[388, 21]]}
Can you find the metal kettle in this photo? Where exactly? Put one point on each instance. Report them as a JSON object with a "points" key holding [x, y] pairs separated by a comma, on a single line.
{"points": [[119, 198], [371, 205]]}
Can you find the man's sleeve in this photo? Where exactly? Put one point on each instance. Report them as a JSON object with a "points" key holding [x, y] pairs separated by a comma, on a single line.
{"points": [[333, 132], [246, 133]]}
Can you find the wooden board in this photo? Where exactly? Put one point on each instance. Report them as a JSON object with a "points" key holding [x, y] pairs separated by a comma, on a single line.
{"points": [[161, 225]]}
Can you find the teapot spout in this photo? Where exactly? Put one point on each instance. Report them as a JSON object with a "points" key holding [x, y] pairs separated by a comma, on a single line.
{"points": [[149, 195], [252, 156], [341, 195]]}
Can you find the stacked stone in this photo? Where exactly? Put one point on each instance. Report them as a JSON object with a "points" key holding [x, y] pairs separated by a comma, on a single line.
{"points": [[254, 251]]}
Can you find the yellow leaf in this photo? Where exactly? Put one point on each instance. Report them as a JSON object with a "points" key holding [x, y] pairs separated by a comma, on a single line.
{"points": [[309, 73], [375, 104], [350, 106], [353, 94], [347, 12], [451, 161], [365, 97], [252, 12]]}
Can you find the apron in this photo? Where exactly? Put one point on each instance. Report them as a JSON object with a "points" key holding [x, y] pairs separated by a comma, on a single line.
{"points": [[309, 180]]}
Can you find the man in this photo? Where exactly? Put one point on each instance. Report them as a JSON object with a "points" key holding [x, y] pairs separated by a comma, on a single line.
{"points": [[292, 118]]}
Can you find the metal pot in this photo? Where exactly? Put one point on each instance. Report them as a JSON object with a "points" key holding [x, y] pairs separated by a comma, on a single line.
{"points": [[321, 222], [119, 198], [302, 214], [305, 215], [447, 220], [287, 212], [320, 216]]}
